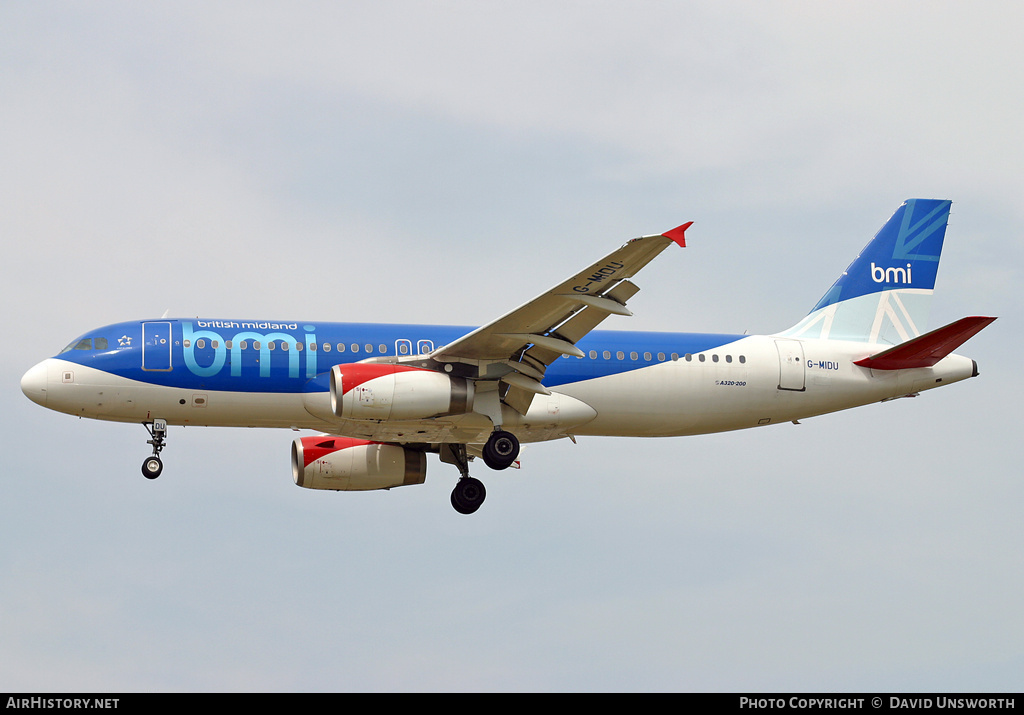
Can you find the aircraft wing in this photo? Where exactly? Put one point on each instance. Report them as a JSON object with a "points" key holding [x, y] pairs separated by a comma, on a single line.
{"points": [[534, 335]]}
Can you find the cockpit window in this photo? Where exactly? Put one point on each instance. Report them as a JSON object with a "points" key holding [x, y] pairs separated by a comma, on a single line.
{"points": [[86, 344]]}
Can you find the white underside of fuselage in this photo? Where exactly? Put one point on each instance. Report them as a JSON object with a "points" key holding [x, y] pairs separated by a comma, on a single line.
{"points": [[777, 381]]}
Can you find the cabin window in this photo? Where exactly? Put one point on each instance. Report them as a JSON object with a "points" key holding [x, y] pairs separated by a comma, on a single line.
{"points": [[255, 344], [606, 355], [661, 357], [284, 344], [298, 346], [341, 347], [200, 343], [633, 356], [355, 347], [593, 355], [270, 345], [243, 345], [714, 358], [368, 348], [382, 348], [728, 358], [187, 343], [620, 355], [702, 357], [647, 356], [742, 359], [403, 349], [675, 356], [688, 357]]}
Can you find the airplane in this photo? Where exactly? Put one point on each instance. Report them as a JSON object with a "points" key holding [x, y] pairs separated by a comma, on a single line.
{"points": [[382, 396]]}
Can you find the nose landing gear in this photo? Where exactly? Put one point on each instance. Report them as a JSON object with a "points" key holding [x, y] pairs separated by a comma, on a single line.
{"points": [[152, 467]]}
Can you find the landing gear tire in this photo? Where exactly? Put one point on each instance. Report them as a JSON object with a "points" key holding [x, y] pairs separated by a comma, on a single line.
{"points": [[501, 450], [468, 495], [152, 467]]}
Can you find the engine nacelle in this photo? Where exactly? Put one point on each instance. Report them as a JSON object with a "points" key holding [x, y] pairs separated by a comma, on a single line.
{"points": [[370, 391], [347, 464]]}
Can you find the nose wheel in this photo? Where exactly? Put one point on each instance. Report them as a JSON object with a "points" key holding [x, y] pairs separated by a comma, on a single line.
{"points": [[152, 467]]}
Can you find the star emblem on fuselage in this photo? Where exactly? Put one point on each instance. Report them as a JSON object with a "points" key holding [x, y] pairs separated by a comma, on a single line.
{"points": [[124, 341]]}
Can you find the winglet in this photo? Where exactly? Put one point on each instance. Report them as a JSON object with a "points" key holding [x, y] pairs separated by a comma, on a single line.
{"points": [[927, 349], [678, 234]]}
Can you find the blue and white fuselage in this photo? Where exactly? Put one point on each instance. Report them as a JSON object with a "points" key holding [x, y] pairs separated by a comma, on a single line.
{"points": [[212, 373], [385, 394]]}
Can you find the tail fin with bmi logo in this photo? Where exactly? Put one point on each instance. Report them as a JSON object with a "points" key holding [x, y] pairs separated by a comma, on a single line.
{"points": [[885, 294]]}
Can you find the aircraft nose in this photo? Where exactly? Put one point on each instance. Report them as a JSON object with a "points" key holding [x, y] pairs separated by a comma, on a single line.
{"points": [[33, 384]]}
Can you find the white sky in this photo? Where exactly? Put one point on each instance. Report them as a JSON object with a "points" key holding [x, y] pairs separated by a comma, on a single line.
{"points": [[445, 162]]}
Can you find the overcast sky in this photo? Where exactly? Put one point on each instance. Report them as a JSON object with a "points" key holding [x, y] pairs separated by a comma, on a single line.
{"points": [[444, 162]]}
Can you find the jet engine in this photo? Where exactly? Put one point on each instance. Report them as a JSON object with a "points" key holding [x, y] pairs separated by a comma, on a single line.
{"points": [[369, 391], [347, 464]]}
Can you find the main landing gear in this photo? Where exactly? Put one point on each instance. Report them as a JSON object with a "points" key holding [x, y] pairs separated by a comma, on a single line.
{"points": [[152, 467], [499, 452], [469, 493]]}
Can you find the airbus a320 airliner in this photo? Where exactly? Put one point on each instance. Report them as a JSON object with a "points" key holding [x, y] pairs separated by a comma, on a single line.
{"points": [[381, 397]]}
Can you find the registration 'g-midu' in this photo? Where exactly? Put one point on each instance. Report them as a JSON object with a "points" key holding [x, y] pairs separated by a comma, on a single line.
{"points": [[382, 396]]}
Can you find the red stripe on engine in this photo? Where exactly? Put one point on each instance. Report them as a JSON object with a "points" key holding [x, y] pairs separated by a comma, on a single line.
{"points": [[313, 448], [355, 374]]}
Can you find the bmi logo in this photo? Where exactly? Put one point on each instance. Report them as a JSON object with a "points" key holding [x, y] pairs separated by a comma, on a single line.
{"points": [[890, 275]]}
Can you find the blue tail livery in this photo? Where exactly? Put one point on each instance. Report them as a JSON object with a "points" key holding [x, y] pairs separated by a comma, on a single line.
{"points": [[885, 294], [379, 398]]}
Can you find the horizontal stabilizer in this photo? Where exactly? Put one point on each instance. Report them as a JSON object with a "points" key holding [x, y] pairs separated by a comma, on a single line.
{"points": [[926, 350]]}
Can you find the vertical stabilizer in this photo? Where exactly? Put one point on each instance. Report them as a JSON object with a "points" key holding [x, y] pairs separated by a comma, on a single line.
{"points": [[885, 294]]}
